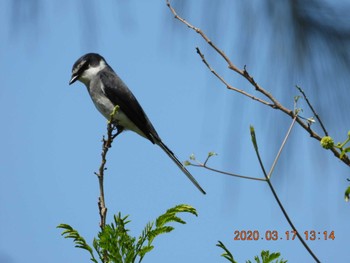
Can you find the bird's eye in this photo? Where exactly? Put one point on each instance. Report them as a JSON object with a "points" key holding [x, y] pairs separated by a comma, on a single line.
{"points": [[85, 66]]}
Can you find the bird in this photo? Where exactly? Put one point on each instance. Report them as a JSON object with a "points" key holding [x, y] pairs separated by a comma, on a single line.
{"points": [[107, 90]]}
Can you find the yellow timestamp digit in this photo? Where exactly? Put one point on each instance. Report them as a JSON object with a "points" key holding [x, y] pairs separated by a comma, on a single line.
{"points": [[290, 235], [310, 235], [313, 235], [271, 235], [328, 236]]}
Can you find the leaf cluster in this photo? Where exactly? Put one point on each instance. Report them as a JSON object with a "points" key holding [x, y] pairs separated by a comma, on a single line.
{"points": [[266, 257], [115, 244]]}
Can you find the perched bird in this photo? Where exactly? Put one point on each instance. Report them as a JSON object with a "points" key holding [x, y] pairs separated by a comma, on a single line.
{"points": [[107, 90]]}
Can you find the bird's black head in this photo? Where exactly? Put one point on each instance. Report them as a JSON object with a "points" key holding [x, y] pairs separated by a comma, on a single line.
{"points": [[86, 67]]}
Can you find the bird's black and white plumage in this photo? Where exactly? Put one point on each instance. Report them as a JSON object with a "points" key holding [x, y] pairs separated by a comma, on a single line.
{"points": [[107, 90]]}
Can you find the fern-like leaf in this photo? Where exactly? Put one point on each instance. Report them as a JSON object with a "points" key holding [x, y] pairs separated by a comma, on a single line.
{"points": [[170, 215], [266, 257], [114, 244], [79, 241], [227, 254]]}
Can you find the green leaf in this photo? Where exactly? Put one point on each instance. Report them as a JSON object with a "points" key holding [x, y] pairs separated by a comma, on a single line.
{"points": [[152, 230], [268, 258], [227, 254], [114, 244], [347, 194], [296, 98], [257, 259], [79, 241], [158, 231], [344, 152], [144, 250], [170, 215]]}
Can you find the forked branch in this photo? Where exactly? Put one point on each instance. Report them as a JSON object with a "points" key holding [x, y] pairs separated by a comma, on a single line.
{"points": [[269, 100]]}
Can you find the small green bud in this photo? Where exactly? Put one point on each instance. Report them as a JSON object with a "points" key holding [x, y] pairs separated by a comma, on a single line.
{"points": [[297, 110], [210, 154], [296, 98], [187, 163], [192, 157], [311, 120], [327, 142]]}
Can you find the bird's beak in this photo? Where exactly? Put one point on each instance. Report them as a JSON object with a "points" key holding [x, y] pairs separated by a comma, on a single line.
{"points": [[73, 79]]}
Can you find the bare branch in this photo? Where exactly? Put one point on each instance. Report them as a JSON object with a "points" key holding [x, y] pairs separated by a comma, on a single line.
{"points": [[205, 166], [106, 144], [313, 110], [228, 85], [244, 73], [275, 104], [199, 31], [276, 196]]}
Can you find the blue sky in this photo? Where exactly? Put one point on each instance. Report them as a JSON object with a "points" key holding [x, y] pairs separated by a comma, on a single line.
{"points": [[51, 142]]}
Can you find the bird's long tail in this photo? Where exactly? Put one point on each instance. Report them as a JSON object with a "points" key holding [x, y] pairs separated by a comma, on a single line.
{"points": [[180, 165]]}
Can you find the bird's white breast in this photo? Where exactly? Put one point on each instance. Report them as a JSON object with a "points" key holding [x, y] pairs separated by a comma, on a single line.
{"points": [[106, 107]]}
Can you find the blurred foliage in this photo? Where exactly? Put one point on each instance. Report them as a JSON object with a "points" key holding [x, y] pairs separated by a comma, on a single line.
{"points": [[303, 42], [283, 43], [300, 42], [347, 194]]}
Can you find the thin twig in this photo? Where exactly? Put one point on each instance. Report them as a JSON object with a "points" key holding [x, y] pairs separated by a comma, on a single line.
{"points": [[244, 73], [313, 110], [281, 148], [231, 66], [230, 86], [203, 36], [277, 199], [106, 144], [227, 173], [205, 166]]}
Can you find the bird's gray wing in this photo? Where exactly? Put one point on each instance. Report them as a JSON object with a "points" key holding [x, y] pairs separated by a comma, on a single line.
{"points": [[119, 94]]}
